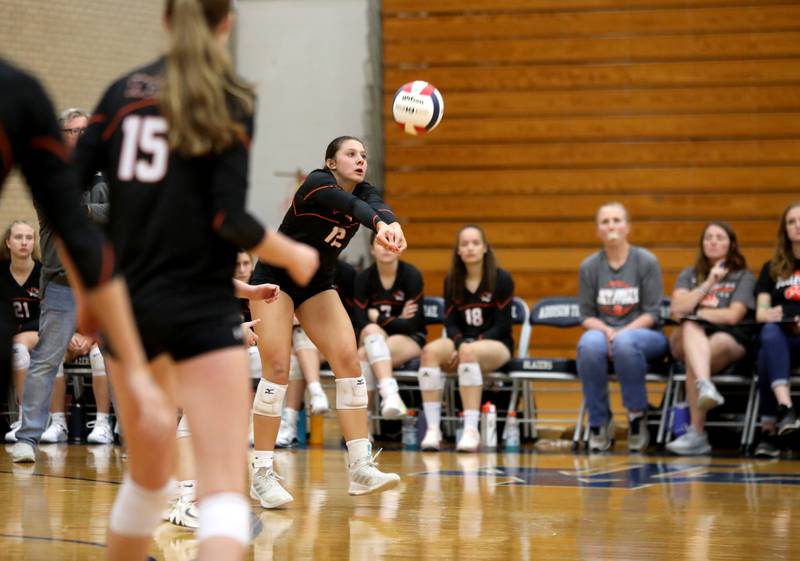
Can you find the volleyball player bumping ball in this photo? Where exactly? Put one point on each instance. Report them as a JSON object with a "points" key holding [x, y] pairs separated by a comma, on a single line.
{"points": [[325, 213], [173, 139]]}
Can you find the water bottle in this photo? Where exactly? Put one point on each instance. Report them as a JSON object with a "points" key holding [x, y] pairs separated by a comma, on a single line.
{"points": [[511, 441], [317, 433], [680, 419], [410, 441], [77, 421], [489, 426], [301, 427], [422, 425]]}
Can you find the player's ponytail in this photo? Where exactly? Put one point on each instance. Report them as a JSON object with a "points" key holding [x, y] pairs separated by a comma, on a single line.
{"points": [[200, 89]]}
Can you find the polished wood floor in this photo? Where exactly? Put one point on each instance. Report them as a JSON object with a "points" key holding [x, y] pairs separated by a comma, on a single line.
{"points": [[550, 505]]}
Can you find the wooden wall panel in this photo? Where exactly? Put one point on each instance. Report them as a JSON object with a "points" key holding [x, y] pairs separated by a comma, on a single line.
{"points": [[594, 181], [684, 110], [627, 102], [499, 25]]}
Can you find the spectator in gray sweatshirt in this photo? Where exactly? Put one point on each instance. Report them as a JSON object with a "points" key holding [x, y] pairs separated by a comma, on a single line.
{"points": [[620, 296]]}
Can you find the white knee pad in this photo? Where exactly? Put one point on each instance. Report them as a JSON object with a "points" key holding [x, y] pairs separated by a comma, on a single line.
{"points": [[255, 362], [369, 377], [294, 369], [469, 374], [377, 349], [20, 357], [60, 371], [183, 428], [224, 515], [430, 379], [96, 361], [300, 340], [137, 511], [269, 399], [351, 393]]}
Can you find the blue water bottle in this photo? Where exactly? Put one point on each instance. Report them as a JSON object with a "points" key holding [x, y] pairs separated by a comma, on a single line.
{"points": [[302, 436]]}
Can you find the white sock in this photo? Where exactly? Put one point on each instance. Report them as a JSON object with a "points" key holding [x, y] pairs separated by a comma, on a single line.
{"points": [[471, 418], [315, 388], [187, 489], [358, 448], [290, 415], [104, 418], [263, 459], [60, 418], [387, 387], [433, 413]]}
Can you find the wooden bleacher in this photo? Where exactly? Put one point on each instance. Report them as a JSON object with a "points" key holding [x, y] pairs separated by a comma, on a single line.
{"points": [[683, 110]]}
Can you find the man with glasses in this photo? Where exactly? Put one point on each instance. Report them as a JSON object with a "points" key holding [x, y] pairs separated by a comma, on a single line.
{"points": [[57, 317]]}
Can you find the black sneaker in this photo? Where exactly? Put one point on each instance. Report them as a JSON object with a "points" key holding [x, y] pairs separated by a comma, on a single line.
{"points": [[767, 447], [787, 420]]}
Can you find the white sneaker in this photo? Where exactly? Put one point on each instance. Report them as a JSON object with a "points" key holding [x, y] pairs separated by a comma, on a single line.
{"points": [[319, 404], [287, 435], [267, 490], [22, 452], [101, 433], [184, 513], [393, 407], [11, 436], [469, 441], [432, 440], [365, 477], [691, 443], [56, 432], [708, 397]]}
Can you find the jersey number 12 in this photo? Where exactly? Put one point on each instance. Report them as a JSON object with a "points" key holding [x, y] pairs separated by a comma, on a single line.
{"points": [[143, 136], [336, 234]]}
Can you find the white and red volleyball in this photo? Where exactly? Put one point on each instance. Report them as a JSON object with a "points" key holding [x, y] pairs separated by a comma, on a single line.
{"points": [[417, 107]]}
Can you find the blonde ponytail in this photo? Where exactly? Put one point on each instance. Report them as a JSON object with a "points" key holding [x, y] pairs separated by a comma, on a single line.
{"points": [[200, 89]]}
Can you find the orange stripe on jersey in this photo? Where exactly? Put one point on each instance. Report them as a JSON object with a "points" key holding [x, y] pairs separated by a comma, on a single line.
{"points": [[133, 106], [360, 304], [6, 154], [50, 144], [298, 214], [97, 118], [219, 218], [502, 305], [318, 189]]}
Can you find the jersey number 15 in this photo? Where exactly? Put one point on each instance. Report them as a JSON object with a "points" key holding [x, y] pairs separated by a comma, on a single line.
{"points": [[143, 136]]}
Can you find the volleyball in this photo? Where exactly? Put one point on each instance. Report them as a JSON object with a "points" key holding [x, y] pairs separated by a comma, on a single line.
{"points": [[417, 107]]}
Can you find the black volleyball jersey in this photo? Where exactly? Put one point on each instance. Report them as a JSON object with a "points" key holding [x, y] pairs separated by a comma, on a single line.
{"points": [[326, 217], [481, 314], [24, 298], [407, 287], [31, 137], [344, 281], [177, 222], [784, 292]]}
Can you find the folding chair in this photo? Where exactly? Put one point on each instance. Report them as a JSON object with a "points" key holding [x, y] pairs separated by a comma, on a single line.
{"points": [[519, 316], [559, 312]]}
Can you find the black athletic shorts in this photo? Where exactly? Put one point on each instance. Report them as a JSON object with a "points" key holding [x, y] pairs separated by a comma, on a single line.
{"points": [[742, 335], [299, 294], [183, 340]]}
